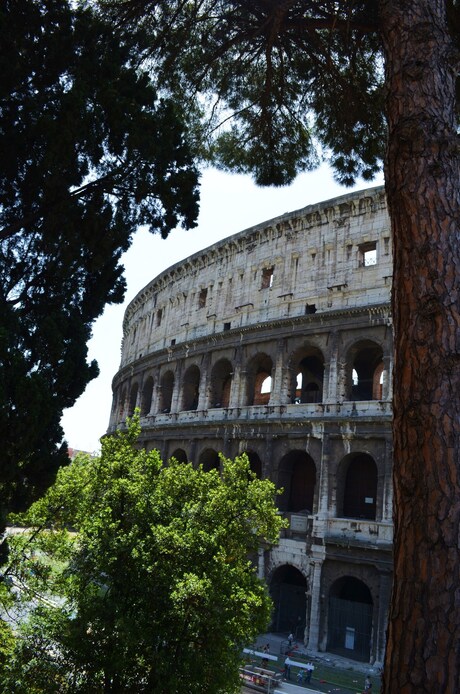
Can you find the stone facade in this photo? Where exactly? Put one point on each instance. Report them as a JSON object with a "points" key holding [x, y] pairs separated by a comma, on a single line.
{"points": [[277, 342]]}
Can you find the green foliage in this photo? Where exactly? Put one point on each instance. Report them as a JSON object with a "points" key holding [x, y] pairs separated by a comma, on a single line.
{"points": [[283, 84], [151, 564], [89, 152]]}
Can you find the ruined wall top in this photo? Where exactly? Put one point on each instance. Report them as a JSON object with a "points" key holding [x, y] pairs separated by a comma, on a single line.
{"points": [[330, 256]]}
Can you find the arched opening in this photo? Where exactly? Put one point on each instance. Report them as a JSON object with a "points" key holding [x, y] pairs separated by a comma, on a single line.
{"points": [[357, 487], [288, 591], [180, 455], [349, 630], [209, 459], [366, 371], [146, 399], [133, 399], [259, 380], [297, 476], [221, 383], [307, 368], [166, 392], [191, 388], [255, 463]]}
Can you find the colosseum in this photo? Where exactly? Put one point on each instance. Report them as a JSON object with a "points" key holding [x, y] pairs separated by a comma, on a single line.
{"points": [[277, 342]]}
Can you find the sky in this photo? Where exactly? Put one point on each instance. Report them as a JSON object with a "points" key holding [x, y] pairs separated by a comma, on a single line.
{"points": [[229, 203]]}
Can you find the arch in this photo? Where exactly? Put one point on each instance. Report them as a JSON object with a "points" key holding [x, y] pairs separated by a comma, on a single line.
{"points": [[255, 463], [258, 388], [349, 631], [180, 455], [221, 383], [146, 399], [307, 375], [357, 487], [133, 398], [166, 391], [191, 388], [288, 587], [209, 459], [365, 364], [297, 476]]}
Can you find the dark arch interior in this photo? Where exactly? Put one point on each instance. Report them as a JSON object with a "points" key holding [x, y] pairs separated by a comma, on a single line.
{"points": [[298, 478], [209, 459], [288, 591], [360, 488], [350, 618], [180, 455]]}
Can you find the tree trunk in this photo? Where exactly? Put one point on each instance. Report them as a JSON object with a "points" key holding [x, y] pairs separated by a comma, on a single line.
{"points": [[422, 185]]}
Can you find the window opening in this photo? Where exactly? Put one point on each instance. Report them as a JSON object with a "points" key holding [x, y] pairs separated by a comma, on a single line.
{"points": [[368, 254], [202, 296], [159, 316], [267, 278]]}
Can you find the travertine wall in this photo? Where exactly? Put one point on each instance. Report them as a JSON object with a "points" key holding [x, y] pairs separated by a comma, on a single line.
{"points": [[277, 342], [315, 254]]}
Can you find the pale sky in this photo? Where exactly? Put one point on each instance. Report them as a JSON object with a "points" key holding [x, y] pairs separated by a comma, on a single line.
{"points": [[228, 204]]}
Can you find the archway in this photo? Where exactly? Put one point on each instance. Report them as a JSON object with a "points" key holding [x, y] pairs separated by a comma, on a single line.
{"points": [[366, 365], [221, 382], [209, 459], [180, 455], [146, 400], [357, 487], [349, 630], [167, 386], [133, 398], [297, 476], [259, 380], [191, 388], [288, 589], [307, 369], [255, 463]]}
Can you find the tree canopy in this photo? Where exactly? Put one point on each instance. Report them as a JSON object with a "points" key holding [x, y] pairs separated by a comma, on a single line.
{"points": [[89, 152], [281, 83], [149, 568]]}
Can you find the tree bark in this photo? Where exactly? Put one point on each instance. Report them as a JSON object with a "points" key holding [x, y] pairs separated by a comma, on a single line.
{"points": [[422, 185]]}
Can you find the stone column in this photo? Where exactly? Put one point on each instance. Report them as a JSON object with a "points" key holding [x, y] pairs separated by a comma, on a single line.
{"points": [[381, 627], [156, 390], [204, 382], [387, 385], [237, 397], [330, 385], [277, 395], [318, 556], [177, 390]]}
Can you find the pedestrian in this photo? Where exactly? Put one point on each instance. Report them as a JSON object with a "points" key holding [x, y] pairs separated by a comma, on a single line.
{"points": [[287, 669], [300, 675], [290, 640], [266, 648], [309, 667], [367, 684]]}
